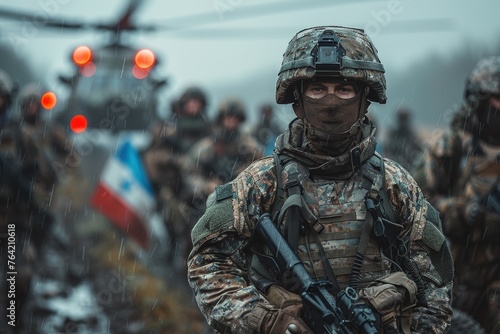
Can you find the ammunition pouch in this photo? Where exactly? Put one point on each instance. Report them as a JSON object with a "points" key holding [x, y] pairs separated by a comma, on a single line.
{"points": [[393, 298]]}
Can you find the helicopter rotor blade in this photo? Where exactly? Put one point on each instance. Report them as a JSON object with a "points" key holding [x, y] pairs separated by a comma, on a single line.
{"points": [[425, 25], [124, 21], [250, 11], [18, 15]]}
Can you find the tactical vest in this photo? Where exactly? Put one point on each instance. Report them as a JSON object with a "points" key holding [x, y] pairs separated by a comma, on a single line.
{"points": [[330, 226], [336, 210]]}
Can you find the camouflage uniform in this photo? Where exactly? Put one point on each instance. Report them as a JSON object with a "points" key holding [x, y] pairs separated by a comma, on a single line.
{"points": [[224, 154], [218, 158], [176, 200], [26, 185], [461, 177], [221, 270]]}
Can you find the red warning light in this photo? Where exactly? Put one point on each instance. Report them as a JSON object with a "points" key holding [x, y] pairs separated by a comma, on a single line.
{"points": [[144, 59], [88, 69], [82, 55], [139, 73], [78, 124], [48, 100]]}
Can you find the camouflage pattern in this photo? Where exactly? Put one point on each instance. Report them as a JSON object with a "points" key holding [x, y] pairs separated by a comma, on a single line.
{"points": [[485, 77], [30, 214], [176, 200], [343, 220], [221, 161], [219, 157], [459, 181], [217, 265], [358, 47]]}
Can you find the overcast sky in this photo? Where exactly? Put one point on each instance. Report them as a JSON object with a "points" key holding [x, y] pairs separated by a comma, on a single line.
{"points": [[404, 31]]}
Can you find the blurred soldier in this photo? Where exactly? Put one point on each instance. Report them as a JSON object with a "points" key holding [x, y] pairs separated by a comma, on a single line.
{"points": [[189, 122], [320, 187], [402, 144], [218, 158], [462, 179], [6, 91], [7, 212], [176, 201], [26, 184], [42, 144], [267, 129]]}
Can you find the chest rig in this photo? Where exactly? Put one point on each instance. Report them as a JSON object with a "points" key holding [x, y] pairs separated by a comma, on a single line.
{"points": [[342, 230]]}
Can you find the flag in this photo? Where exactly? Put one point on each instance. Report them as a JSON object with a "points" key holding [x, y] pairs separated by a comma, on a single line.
{"points": [[124, 194]]}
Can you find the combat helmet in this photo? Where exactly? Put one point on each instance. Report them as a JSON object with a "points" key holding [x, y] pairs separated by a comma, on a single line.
{"points": [[29, 94], [473, 115], [232, 107], [193, 93], [483, 81], [331, 51]]}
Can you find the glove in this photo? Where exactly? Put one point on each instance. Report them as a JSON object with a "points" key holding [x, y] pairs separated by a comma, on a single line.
{"points": [[286, 321], [287, 318]]}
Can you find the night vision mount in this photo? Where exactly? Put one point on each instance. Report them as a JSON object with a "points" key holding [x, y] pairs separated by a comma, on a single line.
{"points": [[328, 54]]}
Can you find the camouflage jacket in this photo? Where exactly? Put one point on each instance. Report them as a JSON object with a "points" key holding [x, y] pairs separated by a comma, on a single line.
{"points": [[215, 160], [218, 263], [459, 170]]}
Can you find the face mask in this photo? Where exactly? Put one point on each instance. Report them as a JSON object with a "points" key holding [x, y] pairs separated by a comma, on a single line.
{"points": [[332, 124], [331, 114]]}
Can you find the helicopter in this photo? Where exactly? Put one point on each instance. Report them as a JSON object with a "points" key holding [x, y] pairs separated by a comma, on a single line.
{"points": [[113, 86], [109, 90]]}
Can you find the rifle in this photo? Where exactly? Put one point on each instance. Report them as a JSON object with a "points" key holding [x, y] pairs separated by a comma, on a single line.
{"points": [[323, 313]]}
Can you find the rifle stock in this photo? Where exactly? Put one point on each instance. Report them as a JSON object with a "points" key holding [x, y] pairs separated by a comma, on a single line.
{"points": [[323, 313]]}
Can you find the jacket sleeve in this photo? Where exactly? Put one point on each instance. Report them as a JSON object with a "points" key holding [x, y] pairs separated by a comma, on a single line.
{"points": [[217, 264], [428, 250]]}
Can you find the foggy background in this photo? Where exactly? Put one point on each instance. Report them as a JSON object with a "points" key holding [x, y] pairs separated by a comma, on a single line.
{"points": [[234, 49]]}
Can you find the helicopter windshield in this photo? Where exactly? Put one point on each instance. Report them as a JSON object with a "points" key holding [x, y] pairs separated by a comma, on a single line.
{"points": [[113, 98]]}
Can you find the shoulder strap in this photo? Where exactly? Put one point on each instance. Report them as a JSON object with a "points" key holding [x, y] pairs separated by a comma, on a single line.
{"points": [[386, 226], [280, 160]]}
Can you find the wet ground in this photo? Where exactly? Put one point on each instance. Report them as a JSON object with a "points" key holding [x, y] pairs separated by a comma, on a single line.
{"points": [[65, 300]]}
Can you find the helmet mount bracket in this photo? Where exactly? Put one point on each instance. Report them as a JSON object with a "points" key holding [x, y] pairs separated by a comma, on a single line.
{"points": [[328, 54]]}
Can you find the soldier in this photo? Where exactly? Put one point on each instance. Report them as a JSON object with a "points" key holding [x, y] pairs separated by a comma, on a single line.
{"points": [[42, 144], [267, 129], [189, 122], [25, 191], [462, 179], [176, 200], [402, 143], [325, 171], [218, 158]]}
